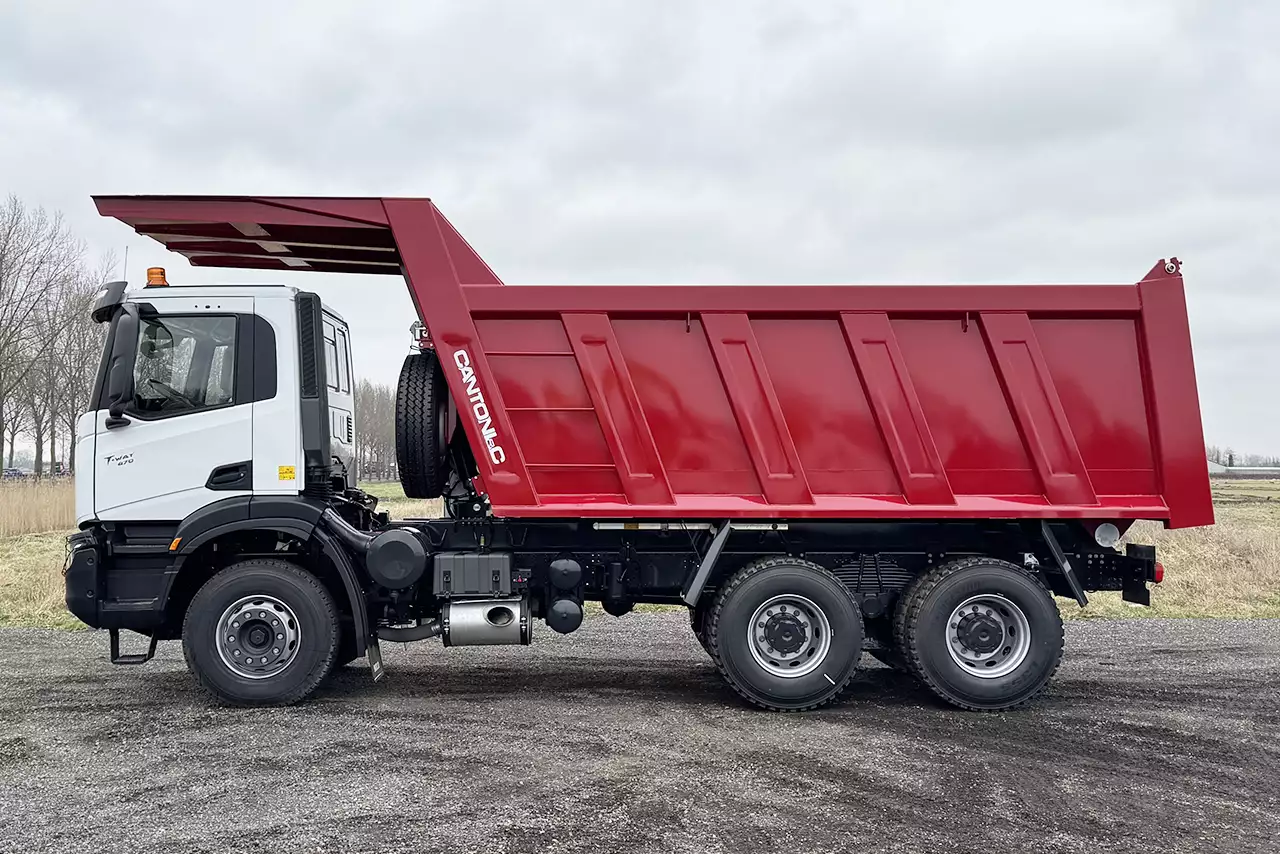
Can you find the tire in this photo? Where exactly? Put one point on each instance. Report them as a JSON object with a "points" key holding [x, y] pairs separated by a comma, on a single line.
{"points": [[422, 426], [930, 642], [295, 604], [825, 660]]}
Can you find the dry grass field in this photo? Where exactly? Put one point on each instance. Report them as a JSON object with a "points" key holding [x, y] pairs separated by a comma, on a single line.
{"points": [[1229, 570]]}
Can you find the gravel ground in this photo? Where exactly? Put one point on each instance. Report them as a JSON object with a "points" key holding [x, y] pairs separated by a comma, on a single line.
{"points": [[1156, 736]]}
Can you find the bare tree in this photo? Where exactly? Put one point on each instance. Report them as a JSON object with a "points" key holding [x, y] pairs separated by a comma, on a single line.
{"points": [[14, 418], [37, 253], [375, 431], [34, 392], [76, 349]]}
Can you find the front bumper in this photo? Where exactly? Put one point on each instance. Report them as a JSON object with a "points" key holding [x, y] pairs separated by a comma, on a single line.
{"points": [[83, 575], [110, 592]]}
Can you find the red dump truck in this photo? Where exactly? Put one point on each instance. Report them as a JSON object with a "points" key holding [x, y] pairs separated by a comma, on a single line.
{"points": [[814, 472]]}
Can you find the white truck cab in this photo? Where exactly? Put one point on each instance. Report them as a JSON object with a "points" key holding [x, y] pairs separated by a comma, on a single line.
{"points": [[211, 391]]}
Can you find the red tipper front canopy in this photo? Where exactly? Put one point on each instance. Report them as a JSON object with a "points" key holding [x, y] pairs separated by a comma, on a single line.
{"points": [[776, 402], [328, 235]]}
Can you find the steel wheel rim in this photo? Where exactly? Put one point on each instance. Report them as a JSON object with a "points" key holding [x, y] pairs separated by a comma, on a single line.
{"points": [[988, 636], [257, 637], [789, 636]]}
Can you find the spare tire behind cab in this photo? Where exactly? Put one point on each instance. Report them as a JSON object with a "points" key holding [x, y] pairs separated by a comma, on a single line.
{"points": [[422, 426]]}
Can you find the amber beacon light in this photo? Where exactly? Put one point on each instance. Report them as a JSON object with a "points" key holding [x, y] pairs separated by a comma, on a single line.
{"points": [[155, 277]]}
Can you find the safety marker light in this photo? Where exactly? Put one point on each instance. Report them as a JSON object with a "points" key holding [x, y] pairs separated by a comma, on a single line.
{"points": [[155, 277], [1158, 575]]}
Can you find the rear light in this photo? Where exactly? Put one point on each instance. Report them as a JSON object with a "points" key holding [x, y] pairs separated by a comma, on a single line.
{"points": [[1158, 574]]}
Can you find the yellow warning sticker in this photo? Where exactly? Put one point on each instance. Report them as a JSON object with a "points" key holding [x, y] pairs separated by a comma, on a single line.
{"points": [[287, 473]]}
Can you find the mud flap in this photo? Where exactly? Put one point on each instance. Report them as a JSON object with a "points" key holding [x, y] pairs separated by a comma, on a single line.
{"points": [[1134, 589], [373, 653]]}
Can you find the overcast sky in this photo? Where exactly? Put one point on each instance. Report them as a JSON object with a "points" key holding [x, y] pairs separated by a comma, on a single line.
{"points": [[637, 142]]}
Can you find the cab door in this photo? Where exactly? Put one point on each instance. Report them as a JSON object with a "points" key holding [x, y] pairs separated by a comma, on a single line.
{"points": [[185, 437]]}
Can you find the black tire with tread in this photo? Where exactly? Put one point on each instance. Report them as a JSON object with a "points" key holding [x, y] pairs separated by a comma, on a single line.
{"points": [[421, 452], [734, 606], [319, 632], [934, 594]]}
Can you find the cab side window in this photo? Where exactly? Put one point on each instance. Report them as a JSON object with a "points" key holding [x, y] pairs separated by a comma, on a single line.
{"points": [[183, 364], [337, 358], [331, 356], [344, 361]]}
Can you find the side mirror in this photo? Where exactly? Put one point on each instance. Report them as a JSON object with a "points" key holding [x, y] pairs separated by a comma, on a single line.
{"points": [[115, 417], [120, 371]]}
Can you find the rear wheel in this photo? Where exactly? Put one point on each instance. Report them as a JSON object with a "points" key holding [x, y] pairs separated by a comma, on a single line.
{"points": [[261, 632], [785, 634], [422, 426], [981, 633]]}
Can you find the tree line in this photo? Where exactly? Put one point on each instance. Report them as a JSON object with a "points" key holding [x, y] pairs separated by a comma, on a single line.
{"points": [[49, 345], [375, 431], [1228, 456]]}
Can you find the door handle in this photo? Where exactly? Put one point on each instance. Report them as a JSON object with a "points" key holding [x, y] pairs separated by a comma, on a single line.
{"points": [[233, 476]]}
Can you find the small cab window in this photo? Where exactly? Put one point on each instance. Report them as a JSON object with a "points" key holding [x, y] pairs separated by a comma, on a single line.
{"points": [[331, 356], [344, 361], [183, 364]]}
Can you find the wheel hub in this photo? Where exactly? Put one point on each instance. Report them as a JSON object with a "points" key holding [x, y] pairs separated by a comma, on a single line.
{"points": [[257, 637], [988, 635], [789, 635], [785, 633], [980, 633]]}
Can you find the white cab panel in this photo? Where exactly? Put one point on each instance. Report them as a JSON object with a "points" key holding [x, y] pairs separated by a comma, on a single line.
{"points": [[277, 430], [86, 426]]}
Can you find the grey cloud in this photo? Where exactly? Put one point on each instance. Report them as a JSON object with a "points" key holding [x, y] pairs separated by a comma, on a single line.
{"points": [[717, 142]]}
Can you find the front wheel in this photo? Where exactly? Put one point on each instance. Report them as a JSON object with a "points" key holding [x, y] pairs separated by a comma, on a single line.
{"points": [[785, 634], [261, 632], [982, 634]]}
